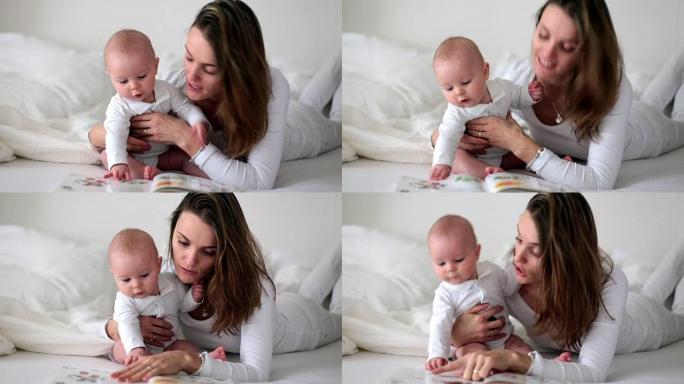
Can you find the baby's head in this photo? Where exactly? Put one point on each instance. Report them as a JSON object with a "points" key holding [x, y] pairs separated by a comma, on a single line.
{"points": [[131, 64], [135, 263], [461, 72], [453, 249]]}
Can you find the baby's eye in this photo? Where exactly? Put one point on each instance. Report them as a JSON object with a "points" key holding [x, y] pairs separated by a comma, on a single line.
{"points": [[142, 76], [466, 82], [188, 58], [458, 260], [126, 280], [123, 81], [448, 89], [441, 263], [145, 274]]}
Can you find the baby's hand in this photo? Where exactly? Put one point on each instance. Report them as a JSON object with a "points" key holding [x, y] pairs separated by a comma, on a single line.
{"points": [[201, 131], [435, 363], [135, 355], [536, 90], [119, 171], [198, 291], [440, 172]]}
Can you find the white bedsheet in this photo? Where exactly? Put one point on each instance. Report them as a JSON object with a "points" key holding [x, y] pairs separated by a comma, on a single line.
{"points": [[663, 366], [319, 174], [319, 366], [661, 174]]}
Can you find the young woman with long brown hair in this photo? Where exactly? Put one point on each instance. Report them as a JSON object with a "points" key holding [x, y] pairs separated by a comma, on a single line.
{"points": [[210, 242], [588, 111], [227, 75], [572, 298]]}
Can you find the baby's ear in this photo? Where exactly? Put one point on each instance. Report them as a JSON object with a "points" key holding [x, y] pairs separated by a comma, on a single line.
{"points": [[159, 262], [477, 251], [485, 71], [156, 64]]}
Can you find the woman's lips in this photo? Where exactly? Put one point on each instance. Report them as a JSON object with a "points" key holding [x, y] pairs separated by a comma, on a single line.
{"points": [[193, 88], [519, 271], [188, 272]]}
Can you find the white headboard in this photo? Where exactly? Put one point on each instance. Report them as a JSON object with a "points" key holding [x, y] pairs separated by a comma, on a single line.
{"points": [[646, 224], [305, 225], [301, 31], [649, 31]]}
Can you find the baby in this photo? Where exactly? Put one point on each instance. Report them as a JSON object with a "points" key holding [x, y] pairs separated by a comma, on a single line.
{"points": [[131, 64], [143, 291], [462, 75], [465, 282]]}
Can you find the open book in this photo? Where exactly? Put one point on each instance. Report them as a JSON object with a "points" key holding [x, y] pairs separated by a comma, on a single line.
{"points": [[496, 182], [420, 376], [163, 182], [73, 375]]}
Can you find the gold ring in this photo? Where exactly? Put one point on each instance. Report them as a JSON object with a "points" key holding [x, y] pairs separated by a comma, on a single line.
{"points": [[147, 131], [479, 133], [148, 368]]}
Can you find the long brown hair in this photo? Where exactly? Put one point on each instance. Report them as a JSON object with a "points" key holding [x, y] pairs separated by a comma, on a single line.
{"points": [[234, 288], [233, 31], [595, 84], [573, 267]]}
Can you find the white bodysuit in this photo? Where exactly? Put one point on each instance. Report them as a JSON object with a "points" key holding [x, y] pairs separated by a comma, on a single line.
{"points": [[453, 300], [173, 297], [504, 95], [640, 322], [295, 131], [633, 129], [120, 111]]}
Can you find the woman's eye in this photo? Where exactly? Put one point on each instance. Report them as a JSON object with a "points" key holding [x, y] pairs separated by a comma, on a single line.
{"points": [[568, 49], [518, 240]]}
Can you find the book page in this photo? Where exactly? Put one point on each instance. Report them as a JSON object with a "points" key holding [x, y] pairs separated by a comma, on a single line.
{"points": [[453, 183], [169, 182], [506, 181], [81, 183]]}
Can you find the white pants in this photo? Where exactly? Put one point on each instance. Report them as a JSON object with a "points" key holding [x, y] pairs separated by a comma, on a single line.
{"points": [[648, 323], [305, 323], [308, 132], [652, 132]]}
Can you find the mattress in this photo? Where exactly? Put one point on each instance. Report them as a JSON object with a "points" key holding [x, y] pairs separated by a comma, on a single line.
{"points": [[655, 367], [366, 175], [321, 365], [319, 174]]}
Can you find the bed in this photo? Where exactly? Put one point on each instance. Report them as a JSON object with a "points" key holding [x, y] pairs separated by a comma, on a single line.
{"points": [[49, 312], [48, 104], [387, 295], [391, 104]]}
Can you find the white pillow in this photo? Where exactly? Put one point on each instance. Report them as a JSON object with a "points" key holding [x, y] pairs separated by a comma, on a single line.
{"points": [[6, 153], [386, 79], [46, 80], [6, 346], [384, 271], [53, 291]]}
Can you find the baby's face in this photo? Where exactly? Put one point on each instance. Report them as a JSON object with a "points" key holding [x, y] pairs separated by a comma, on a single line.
{"points": [[454, 259], [137, 275], [133, 75], [462, 81]]}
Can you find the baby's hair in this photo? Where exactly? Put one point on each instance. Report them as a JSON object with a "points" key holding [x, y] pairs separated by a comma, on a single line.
{"points": [[127, 40], [452, 225], [131, 241], [457, 47]]}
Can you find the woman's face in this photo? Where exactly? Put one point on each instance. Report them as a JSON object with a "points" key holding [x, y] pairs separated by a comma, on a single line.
{"points": [[554, 46], [527, 256], [201, 70], [194, 248]]}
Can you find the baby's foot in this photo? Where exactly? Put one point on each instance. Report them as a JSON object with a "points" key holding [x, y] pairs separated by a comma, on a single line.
{"points": [[150, 172], [565, 357], [218, 354], [491, 170]]}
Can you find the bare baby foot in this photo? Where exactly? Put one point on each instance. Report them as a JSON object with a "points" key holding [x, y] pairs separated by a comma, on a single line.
{"points": [[565, 357]]}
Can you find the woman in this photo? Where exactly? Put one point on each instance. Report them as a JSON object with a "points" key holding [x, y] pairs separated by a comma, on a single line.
{"points": [[571, 297], [211, 242], [226, 74], [587, 111]]}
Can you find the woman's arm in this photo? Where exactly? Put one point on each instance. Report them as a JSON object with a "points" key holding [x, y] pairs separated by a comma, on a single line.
{"points": [[263, 162], [604, 157], [96, 136]]}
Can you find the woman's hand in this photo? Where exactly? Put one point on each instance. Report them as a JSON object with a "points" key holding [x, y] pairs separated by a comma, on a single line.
{"points": [[162, 128], [155, 331], [478, 365], [504, 133], [165, 363], [97, 133], [478, 325]]}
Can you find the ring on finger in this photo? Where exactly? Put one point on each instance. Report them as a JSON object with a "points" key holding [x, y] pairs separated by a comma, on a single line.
{"points": [[479, 133]]}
